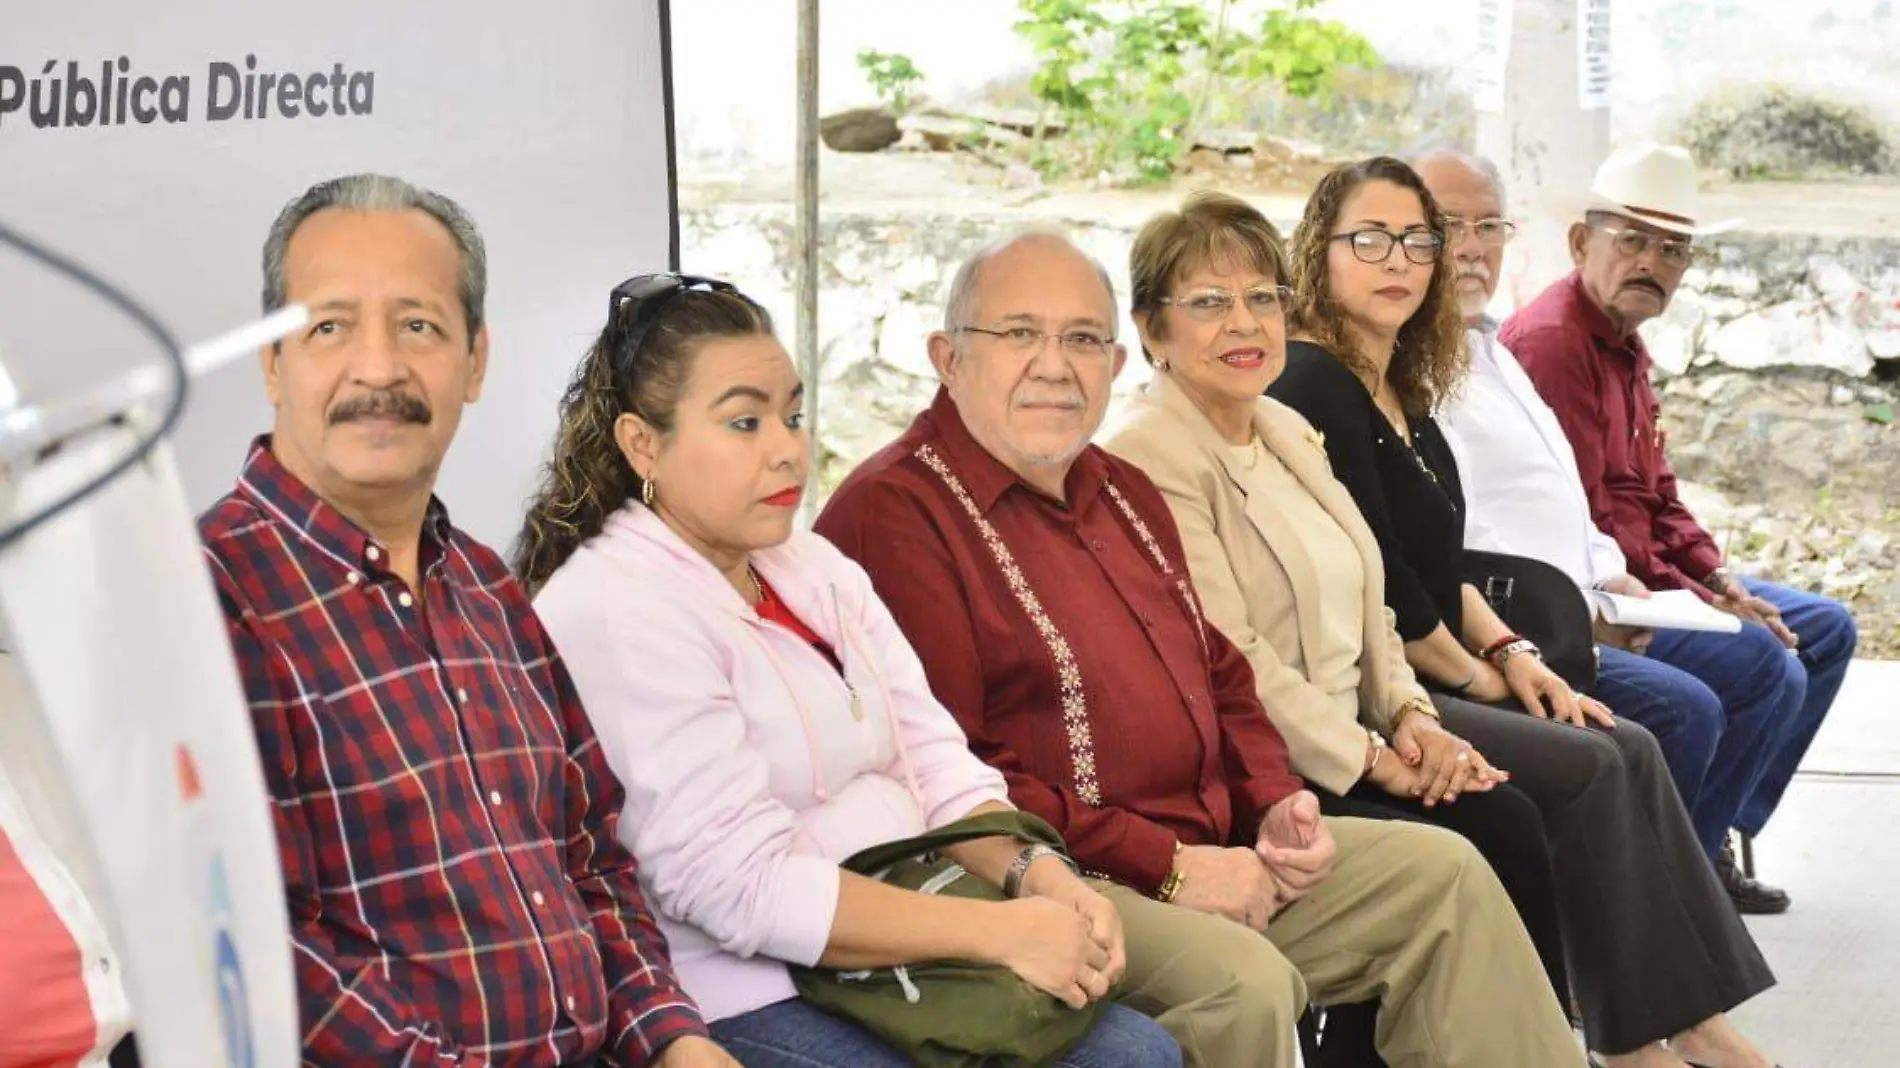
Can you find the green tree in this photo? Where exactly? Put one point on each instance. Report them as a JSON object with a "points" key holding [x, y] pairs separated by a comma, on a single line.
{"points": [[892, 75], [1135, 80]]}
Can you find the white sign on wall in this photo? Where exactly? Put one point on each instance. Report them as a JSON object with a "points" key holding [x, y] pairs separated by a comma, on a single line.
{"points": [[1593, 54], [1493, 55]]}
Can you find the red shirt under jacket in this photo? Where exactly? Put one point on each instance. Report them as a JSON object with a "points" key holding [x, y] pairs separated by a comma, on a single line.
{"points": [[1598, 384], [1111, 708]]}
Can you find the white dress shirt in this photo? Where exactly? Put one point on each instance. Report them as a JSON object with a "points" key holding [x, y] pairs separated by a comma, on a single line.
{"points": [[1522, 492]]}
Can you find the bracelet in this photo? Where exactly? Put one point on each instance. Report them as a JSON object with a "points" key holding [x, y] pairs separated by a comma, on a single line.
{"points": [[1718, 579], [1172, 884], [1490, 651], [1013, 879], [1423, 706], [1522, 645], [1376, 745]]}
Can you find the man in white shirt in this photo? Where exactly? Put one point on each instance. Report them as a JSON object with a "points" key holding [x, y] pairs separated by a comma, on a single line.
{"points": [[1719, 729]]}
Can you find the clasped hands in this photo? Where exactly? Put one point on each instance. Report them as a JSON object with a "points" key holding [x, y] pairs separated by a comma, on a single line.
{"points": [[1292, 854]]}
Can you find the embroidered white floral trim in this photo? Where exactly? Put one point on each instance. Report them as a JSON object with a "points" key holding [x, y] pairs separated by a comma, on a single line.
{"points": [[1181, 585], [1075, 711]]}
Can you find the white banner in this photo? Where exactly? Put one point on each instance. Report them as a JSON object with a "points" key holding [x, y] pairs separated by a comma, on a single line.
{"points": [[1593, 54], [119, 634], [1493, 55], [156, 142]]}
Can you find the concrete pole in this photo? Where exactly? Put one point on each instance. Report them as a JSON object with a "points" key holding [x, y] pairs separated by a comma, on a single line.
{"points": [[806, 238], [1547, 145]]}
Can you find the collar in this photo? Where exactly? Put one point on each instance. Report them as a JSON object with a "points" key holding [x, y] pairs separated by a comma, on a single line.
{"points": [[1597, 321], [270, 485], [987, 478]]}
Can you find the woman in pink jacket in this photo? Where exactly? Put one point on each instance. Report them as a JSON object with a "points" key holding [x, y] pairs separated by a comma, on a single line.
{"points": [[760, 704]]}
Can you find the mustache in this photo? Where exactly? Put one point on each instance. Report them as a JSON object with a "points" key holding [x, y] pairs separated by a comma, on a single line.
{"points": [[1645, 283], [1473, 270], [380, 404], [1050, 400]]}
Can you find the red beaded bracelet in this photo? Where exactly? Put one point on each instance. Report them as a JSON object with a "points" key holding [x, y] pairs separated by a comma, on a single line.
{"points": [[1497, 646]]}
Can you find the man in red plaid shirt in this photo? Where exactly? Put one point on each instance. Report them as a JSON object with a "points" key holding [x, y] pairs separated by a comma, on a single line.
{"points": [[446, 819]]}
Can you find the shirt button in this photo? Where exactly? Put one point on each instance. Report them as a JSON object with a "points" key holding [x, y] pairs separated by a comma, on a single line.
{"points": [[570, 1003], [538, 900], [1097, 543], [494, 797], [373, 553], [404, 599], [352, 578], [461, 696]]}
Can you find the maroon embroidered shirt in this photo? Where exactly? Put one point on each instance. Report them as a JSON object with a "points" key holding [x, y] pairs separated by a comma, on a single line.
{"points": [[1066, 640]]}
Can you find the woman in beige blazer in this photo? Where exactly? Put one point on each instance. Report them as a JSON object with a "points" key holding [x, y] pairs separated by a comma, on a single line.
{"points": [[1287, 568]]}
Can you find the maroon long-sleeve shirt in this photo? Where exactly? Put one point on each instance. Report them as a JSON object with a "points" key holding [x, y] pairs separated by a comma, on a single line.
{"points": [[1598, 384], [1065, 638]]}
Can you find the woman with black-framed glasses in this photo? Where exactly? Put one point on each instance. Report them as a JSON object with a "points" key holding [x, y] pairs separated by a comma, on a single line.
{"points": [[1653, 946]]}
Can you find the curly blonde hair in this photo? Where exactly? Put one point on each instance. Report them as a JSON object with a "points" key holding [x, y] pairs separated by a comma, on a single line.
{"points": [[639, 369], [1430, 360]]}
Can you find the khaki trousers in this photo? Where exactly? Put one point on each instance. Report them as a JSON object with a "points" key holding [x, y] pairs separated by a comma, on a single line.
{"points": [[1411, 915]]}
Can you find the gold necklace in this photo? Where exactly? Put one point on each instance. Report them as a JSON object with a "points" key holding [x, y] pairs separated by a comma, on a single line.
{"points": [[758, 588]]}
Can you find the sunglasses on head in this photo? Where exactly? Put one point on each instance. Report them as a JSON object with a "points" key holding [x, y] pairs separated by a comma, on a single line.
{"points": [[653, 290]]}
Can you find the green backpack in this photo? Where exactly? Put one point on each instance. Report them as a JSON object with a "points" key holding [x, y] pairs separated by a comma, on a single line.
{"points": [[950, 1014]]}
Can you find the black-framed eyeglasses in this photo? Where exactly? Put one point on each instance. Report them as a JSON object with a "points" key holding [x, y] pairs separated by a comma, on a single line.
{"points": [[1213, 304], [1375, 246], [1632, 243], [654, 290], [1023, 340], [1493, 231]]}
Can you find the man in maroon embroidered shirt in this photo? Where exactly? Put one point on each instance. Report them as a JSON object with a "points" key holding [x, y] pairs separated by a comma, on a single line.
{"points": [[444, 813], [1042, 581], [1578, 343]]}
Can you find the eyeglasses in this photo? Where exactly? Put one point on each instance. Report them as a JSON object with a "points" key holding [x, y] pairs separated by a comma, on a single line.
{"points": [[1492, 231], [1375, 246], [1211, 305], [650, 291], [1633, 243], [1024, 341]]}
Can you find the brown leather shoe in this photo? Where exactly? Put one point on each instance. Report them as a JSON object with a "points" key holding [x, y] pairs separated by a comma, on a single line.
{"points": [[1751, 898]]}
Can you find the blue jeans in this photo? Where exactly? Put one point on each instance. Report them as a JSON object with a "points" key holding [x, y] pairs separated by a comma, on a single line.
{"points": [[793, 1034], [1716, 748], [1751, 672]]}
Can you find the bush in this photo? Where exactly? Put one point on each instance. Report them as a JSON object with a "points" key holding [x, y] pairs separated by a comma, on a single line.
{"points": [[1134, 80], [1776, 132]]}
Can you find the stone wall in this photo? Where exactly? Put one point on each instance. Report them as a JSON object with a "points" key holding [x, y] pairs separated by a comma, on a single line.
{"points": [[1778, 360], [1823, 305]]}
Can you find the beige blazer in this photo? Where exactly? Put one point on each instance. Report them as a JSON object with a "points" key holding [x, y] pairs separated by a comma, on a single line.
{"points": [[1230, 538]]}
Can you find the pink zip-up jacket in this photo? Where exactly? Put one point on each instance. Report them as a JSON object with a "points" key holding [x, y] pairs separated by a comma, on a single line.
{"points": [[751, 766]]}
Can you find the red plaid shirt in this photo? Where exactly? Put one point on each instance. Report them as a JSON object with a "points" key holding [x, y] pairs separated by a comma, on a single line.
{"points": [[445, 816]]}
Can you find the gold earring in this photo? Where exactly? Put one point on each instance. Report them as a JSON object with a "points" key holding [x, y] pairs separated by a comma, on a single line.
{"points": [[646, 492]]}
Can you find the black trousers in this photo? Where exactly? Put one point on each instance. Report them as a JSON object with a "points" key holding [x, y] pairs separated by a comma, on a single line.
{"points": [[1654, 944]]}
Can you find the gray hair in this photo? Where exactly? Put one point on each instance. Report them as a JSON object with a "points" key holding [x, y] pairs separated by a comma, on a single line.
{"points": [[1444, 148], [961, 304], [378, 192]]}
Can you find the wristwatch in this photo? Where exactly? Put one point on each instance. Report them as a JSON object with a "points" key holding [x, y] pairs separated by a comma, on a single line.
{"points": [[1718, 579], [1013, 879]]}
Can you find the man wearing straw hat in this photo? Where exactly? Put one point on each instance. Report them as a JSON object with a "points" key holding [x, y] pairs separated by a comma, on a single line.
{"points": [[1578, 342]]}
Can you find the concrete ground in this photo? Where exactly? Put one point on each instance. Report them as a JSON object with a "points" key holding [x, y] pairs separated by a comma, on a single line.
{"points": [[1833, 847]]}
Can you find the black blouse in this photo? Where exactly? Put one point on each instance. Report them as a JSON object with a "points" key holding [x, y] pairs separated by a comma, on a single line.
{"points": [[1410, 495]]}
